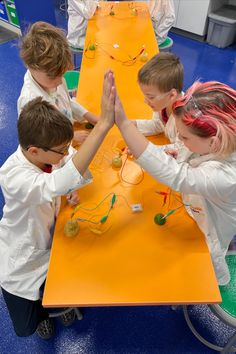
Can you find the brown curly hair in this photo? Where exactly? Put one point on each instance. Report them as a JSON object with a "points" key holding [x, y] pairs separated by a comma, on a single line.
{"points": [[45, 48]]}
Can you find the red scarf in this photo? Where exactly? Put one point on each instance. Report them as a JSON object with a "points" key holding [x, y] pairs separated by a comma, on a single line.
{"points": [[47, 168], [164, 116]]}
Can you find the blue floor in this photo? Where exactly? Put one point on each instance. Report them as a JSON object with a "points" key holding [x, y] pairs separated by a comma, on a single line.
{"points": [[122, 329]]}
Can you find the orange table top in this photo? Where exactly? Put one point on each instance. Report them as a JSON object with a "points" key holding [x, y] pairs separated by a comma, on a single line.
{"points": [[133, 261], [131, 33]]}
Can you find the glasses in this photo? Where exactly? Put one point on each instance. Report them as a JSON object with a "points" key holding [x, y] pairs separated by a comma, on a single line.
{"points": [[158, 97], [63, 153]]}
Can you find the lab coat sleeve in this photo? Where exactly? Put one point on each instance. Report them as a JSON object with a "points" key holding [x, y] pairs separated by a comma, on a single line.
{"points": [[85, 9], [150, 127], [31, 188], [208, 179], [78, 110]]}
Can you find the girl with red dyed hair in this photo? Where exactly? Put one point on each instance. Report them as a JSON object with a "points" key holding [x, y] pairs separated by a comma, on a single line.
{"points": [[203, 168]]}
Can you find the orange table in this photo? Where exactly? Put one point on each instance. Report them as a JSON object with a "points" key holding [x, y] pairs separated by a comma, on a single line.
{"points": [[130, 33], [134, 262]]}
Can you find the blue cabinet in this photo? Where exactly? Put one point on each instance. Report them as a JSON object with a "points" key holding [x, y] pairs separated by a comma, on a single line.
{"points": [[30, 11], [17, 15]]}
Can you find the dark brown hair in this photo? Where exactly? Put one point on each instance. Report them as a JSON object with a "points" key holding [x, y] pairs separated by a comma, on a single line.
{"points": [[41, 124]]}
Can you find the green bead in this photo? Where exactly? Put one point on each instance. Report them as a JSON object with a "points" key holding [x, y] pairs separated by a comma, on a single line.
{"points": [[92, 47], [89, 126], [158, 219], [112, 13]]}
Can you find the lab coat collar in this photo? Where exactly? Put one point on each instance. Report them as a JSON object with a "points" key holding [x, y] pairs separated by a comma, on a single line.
{"points": [[25, 161], [197, 160]]}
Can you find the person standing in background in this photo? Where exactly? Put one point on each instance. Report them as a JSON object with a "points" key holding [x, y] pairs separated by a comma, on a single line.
{"points": [[163, 17], [79, 12]]}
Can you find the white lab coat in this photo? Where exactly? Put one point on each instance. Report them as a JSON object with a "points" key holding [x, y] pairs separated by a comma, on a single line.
{"points": [[26, 228], [79, 11], [207, 183], [60, 98], [156, 126], [163, 17]]}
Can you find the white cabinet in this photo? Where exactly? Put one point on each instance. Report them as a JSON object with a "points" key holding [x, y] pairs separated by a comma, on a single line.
{"points": [[176, 6], [192, 15]]}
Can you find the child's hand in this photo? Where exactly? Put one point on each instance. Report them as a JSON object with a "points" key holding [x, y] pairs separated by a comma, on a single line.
{"points": [[73, 198], [120, 116], [80, 136], [91, 118], [128, 151], [172, 152], [108, 99]]}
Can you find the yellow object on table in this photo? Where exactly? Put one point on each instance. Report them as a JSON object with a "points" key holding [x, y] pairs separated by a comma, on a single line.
{"points": [[131, 261]]}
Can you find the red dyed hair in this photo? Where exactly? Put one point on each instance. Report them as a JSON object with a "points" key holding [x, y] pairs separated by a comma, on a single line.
{"points": [[209, 109]]}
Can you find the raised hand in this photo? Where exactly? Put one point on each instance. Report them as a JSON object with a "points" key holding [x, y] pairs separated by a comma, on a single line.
{"points": [[120, 116], [91, 144], [135, 140], [108, 99]]}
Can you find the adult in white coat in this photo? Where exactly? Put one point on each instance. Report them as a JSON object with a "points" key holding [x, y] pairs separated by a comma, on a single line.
{"points": [[79, 12], [163, 17], [205, 170]]}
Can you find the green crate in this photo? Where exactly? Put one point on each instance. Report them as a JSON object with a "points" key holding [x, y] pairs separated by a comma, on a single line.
{"points": [[11, 9]]}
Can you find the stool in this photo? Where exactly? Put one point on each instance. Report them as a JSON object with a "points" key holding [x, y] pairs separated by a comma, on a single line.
{"points": [[72, 80], [226, 311], [166, 45], [75, 52], [62, 312]]}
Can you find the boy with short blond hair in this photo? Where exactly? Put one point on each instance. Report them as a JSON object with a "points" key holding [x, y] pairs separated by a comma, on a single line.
{"points": [[161, 81]]}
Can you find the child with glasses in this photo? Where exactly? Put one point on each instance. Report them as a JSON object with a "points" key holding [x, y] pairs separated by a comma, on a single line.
{"points": [[161, 81], [33, 178], [47, 56], [204, 170]]}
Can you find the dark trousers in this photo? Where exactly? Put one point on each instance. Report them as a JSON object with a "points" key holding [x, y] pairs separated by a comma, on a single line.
{"points": [[25, 314]]}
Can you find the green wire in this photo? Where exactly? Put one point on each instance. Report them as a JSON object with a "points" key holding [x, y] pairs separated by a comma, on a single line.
{"points": [[104, 218]]}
